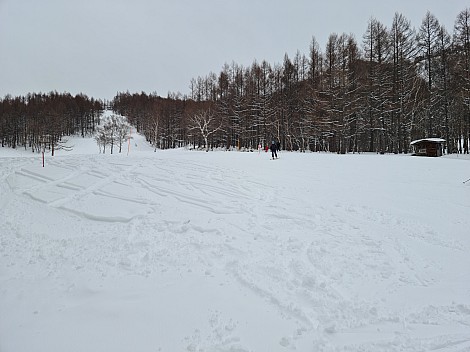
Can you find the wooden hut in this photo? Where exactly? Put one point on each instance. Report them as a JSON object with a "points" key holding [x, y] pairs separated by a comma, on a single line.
{"points": [[428, 146]]}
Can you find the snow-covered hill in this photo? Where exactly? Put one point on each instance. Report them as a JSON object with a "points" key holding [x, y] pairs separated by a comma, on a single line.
{"points": [[226, 251]]}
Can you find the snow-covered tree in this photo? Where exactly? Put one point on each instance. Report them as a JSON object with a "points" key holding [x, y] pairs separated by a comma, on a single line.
{"points": [[121, 128], [206, 124], [114, 130]]}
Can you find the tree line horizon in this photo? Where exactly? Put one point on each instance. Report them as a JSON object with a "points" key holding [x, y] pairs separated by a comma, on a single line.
{"points": [[397, 85]]}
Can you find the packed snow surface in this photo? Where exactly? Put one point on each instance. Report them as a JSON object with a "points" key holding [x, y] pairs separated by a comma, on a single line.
{"points": [[184, 250]]}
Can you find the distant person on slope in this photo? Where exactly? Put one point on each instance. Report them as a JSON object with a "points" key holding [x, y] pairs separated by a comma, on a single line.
{"points": [[274, 150]]}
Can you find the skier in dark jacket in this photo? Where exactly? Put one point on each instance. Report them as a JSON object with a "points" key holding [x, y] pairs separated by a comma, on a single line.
{"points": [[273, 150]]}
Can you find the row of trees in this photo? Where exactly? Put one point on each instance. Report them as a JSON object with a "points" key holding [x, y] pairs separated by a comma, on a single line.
{"points": [[41, 120], [396, 85]]}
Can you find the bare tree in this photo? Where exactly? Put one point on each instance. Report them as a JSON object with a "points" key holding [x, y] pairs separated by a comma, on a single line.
{"points": [[206, 124], [403, 40], [462, 79], [428, 42], [377, 88]]}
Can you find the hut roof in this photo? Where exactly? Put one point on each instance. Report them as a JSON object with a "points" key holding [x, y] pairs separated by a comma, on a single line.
{"points": [[432, 140]]}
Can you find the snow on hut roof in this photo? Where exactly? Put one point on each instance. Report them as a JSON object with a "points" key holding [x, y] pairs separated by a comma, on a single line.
{"points": [[435, 140]]}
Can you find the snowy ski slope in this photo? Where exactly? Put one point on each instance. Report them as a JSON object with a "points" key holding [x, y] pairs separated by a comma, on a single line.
{"points": [[226, 251]]}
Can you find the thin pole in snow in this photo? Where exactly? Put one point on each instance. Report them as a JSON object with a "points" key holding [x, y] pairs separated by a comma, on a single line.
{"points": [[466, 181], [129, 141]]}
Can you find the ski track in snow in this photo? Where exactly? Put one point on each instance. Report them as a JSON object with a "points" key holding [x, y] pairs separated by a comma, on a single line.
{"points": [[316, 273]]}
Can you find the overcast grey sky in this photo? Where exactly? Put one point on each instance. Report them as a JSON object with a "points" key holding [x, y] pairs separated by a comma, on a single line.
{"points": [[100, 47]]}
